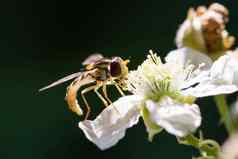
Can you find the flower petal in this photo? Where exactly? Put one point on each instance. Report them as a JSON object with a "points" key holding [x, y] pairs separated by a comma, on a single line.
{"points": [[177, 119], [210, 89], [225, 70], [199, 78], [223, 79], [185, 56], [151, 127], [110, 126], [190, 35]]}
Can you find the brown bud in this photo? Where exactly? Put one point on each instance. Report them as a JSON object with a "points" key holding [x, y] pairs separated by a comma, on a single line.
{"points": [[212, 34], [205, 30]]}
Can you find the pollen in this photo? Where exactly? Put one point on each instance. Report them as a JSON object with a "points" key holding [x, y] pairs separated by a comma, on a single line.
{"points": [[155, 80]]}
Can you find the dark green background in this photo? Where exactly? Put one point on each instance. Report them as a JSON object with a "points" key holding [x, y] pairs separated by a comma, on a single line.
{"points": [[41, 41]]}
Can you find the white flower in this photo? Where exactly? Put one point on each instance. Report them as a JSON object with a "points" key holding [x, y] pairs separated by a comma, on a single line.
{"points": [[161, 86], [220, 77], [164, 95], [158, 98]]}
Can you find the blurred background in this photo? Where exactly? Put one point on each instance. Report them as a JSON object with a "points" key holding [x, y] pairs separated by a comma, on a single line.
{"points": [[41, 41]]}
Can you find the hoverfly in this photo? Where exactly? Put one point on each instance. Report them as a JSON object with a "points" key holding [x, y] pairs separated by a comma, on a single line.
{"points": [[98, 73]]}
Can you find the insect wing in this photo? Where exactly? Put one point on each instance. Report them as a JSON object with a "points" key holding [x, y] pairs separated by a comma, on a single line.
{"points": [[92, 59], [62, 80]]}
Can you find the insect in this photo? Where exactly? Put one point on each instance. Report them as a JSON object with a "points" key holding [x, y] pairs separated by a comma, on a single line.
{"points": [[98, 73]]}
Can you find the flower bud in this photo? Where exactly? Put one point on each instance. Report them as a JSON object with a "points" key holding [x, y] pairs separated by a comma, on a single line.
{"points": [[204, 30]]}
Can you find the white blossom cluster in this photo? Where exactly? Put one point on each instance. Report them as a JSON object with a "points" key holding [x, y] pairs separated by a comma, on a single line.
{"points": [[163, 94]]}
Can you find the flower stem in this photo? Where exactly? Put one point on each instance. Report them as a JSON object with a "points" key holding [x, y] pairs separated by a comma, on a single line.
{"points": [[224, 113], [208, 148]]}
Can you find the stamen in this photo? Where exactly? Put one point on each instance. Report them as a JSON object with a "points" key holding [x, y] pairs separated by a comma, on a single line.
{"points": [[155, 80], [189, 71]]}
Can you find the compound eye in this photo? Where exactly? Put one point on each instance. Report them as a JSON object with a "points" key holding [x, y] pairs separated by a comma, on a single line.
{"points": [[115, 69]]}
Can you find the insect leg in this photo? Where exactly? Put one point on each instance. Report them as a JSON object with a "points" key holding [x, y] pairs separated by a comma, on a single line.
{"points": [[100, 96], [119, 89], [104, 90], [85, 101]]}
